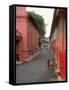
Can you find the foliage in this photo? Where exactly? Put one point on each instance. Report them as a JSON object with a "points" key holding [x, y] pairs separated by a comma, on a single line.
{"points": [[39, 21]]}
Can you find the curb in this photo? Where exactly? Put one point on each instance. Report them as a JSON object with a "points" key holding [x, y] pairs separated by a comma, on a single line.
{"points": [[28, 59]]}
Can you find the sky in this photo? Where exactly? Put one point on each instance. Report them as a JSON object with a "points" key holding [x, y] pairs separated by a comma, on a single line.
{"points": [[47, 14]]}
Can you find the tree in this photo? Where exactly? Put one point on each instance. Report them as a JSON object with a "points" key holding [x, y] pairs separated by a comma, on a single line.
{"points": [[39, 21]]}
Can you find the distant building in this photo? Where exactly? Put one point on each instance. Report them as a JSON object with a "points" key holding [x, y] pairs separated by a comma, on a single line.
{"points": [[27, 36], [57, 42], [47, 39], [44, 42]]}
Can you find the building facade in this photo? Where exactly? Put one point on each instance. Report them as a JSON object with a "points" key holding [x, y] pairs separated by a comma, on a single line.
{"points": [[57, 43], [27, 36]]}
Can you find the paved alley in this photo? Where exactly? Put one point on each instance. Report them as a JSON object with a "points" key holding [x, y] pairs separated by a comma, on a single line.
{"points": [[36, 70]]}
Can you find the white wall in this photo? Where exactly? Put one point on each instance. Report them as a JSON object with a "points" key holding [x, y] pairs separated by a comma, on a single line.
{"points": [[4, 44]]}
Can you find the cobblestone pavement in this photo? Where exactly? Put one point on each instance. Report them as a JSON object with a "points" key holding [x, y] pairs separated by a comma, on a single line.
{"points": [[36, 70]]}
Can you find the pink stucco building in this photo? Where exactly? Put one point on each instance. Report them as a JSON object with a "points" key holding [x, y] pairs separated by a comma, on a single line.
{"points": [[58, 41], [27, 36]]}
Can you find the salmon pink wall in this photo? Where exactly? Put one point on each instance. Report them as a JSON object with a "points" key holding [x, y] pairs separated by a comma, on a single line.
{"points": [[33, 38], [26, 47], [58, 48], [21, 26]]}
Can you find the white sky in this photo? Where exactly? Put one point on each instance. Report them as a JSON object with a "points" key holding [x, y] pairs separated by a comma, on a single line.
{"points": [[47, 14]]}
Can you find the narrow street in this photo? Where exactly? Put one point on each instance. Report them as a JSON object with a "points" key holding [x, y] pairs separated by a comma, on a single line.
{"points": [[36, 70]]}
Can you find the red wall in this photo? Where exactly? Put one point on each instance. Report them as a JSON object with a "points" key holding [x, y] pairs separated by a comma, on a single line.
{"points": [[23, 47], [58, 48], [33, 37], [21, 26]]}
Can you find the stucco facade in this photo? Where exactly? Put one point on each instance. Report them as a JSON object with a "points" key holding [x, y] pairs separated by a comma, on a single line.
{"points": [[58, 41], [27, 36]]}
